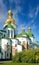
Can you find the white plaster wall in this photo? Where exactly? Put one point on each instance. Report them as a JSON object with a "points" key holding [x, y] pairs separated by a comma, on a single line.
{"points": [[28, 41], [14, 25], [14, 41], [4, 42], [3, 55], [19, 48], [32, 39], [22, 39]]}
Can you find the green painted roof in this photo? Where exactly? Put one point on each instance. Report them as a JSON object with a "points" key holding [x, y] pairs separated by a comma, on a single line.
{"points": [[30, 34], [9, 26], [22, 34]]}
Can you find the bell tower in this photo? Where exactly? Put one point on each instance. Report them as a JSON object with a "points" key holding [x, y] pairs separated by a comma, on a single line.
{"points": [[10, 26]]}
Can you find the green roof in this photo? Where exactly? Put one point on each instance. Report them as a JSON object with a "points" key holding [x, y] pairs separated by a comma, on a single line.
{"points": [[30, 34], [22, 34], [9, 26]]}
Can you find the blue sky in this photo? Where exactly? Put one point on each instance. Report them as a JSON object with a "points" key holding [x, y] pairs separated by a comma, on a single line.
{"points": [[25, 13]]}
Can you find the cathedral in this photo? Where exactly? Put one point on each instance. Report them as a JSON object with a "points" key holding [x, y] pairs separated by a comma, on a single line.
{"points": [[11, 42]]}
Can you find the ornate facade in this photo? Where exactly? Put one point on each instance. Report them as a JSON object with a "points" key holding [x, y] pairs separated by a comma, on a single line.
{"points": [[11, 42]]}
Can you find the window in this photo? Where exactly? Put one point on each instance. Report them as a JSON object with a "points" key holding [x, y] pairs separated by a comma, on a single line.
{"points": [[8, 33], [11, 33], [7, 55], [4, 35]]}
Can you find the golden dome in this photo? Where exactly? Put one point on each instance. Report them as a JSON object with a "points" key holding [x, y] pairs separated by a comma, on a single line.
{"points": [[13, 21], [23, 29], [10, 20], [10, 12]]}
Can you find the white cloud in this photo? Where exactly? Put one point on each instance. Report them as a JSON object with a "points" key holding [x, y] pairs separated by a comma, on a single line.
{"points": [[33, 14]]}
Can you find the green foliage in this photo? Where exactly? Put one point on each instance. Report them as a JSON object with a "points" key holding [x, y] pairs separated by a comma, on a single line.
{"points": [[11, 63], [27, 56]]}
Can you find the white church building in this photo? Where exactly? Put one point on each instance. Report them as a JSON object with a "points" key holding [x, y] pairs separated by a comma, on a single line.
{"points": [[11, 42]]}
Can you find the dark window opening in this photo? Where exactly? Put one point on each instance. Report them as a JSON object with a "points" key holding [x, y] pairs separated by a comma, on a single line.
{"points": [[0, 49], [7, 54]]}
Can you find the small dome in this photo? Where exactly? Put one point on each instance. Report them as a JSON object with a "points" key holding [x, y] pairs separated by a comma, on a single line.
{"points": [[23, 29], [10, 19], [10, 12], [23, 33], [29, 28], [13, 21]]}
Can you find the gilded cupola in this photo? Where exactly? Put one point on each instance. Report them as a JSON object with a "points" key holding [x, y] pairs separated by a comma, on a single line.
{"points": [[23, 29], [10, 19], [29, 29]]}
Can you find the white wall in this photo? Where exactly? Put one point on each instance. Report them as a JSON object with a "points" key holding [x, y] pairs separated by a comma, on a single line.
{"points": [[32, 39], [4, 42], [14, 41], [22, 39], [19, 48]]}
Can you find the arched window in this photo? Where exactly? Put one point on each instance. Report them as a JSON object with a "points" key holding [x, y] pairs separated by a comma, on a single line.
{"points": [[8, 33], [11, 33]]}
